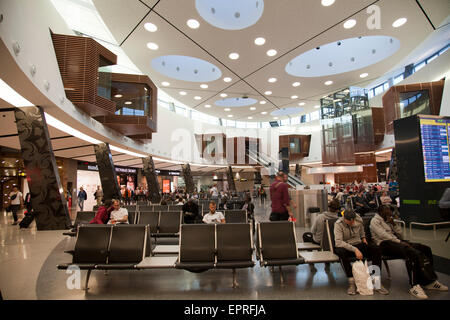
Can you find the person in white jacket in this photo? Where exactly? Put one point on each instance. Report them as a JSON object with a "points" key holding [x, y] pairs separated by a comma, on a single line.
{"points": [[388, 236]]}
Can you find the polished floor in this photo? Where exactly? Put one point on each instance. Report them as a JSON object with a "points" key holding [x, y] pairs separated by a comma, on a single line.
{"points": [[28, 260]]}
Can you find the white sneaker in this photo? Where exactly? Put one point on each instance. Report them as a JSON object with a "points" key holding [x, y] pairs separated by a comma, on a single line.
{"points": [[418, 292], [436, 285]]}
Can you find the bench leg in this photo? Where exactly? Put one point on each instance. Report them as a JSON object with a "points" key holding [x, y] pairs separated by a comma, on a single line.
{"points": [[235, 284], [312, 267], [281, 276], [448, 236], [387, 269], [106, 272], [88, 275]]}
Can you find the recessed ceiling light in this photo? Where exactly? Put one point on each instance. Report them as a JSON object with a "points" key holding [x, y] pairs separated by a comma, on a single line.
{"points": [[193, 24], [128, 102], [165, 83], [233, 56], [264, 112], [260, 41], [197, 98], [399, 22], [268, 93], [272, 80], [276, 118], [296, 84], [252, 108], [316, 107], [327, 3], [350, 24], [301, 104], [328, 83], [230, 116], [227, 79], [250, 118], [271, 52], [152, 46], [294, 97], [204, 86], [150, 27], [207, 106], [363, 75], [262, 102], [223, 95], [118, 96], [183, 93], [227, 109]]}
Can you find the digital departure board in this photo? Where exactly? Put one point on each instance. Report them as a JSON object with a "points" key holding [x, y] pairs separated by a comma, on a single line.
{"points": [[435, 133]]}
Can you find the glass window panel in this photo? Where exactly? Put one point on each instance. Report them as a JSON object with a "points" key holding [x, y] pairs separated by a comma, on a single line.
{"points": [[252, 125], [378, 90], [265, 125], [398, 78], [419, 66], [286, 122], [240, 124], [295, 120]]}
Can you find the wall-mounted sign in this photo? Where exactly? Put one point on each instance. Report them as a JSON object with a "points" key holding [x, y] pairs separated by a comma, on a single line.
{"points": [[93, 167]]}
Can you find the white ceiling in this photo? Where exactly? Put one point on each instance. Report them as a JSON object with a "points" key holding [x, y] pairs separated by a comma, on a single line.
{"points": [[291, 27]]}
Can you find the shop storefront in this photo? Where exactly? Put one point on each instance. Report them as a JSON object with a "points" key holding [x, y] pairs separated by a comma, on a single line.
{"points": [[169, 181]]}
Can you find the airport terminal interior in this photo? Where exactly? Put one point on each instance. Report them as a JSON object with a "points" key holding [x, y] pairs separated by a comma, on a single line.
{"points": [[224, 150]]}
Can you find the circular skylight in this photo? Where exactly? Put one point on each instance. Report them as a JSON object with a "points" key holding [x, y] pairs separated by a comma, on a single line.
{"points": [[230, 14], [342, 56], [235, 102], [186, 68], [286, 111]]}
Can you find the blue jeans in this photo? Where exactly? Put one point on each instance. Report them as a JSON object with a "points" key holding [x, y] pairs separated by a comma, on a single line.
{"points": [[81, 204]]}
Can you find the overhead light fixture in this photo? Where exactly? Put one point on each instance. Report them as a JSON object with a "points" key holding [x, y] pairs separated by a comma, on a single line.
{"points": [[197, 98], [223, 95], [227, 109], [128, 102], [262, 102], [264, 112], [301, 104], [271, 52], [12, 97], [272, 80], [230, 116], [207, 106], [252, 108], [383, 151], [268, 93], [296, 84], [183, 93], [250, 118], [275, 118], [165, 83], [363, 75], [317, 107], [350, 24], [204, 86], [131, 153], [118, 96], [327, 3], [55, 123], [399, 22], [150, 27], [227, 79], [294, 97], [260, 41], [193, 24], [328, 83], [233, 56], [152, 46]]}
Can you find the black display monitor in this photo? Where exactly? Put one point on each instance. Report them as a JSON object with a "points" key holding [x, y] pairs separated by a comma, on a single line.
{"points": [[274, 124]]}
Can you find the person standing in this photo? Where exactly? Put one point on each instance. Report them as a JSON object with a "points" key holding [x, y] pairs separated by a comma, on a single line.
{"points": [[98, 195], [262, 194], [214, 193], [82, 196], [15, 202], [280, 199]]}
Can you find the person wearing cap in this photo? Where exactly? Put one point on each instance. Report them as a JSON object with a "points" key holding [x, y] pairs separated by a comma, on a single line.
{"points": [[350, 241]]}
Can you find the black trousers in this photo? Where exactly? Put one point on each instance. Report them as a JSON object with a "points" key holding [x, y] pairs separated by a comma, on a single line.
{"points": [[14, 209], [279, 216], [369, 252], [411, 255]]}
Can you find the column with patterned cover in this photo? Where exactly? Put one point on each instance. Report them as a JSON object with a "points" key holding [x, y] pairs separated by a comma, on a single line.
{"points": [[47, 197], [230, 179], [188, 180], [107, 172], [152, 181]]}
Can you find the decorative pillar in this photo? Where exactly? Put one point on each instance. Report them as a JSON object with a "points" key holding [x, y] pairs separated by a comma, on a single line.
{"points": [[107, 172], [230, 179], [47, 197], [187, 175], [284, 152], [393, 171], [152, 181], [298, 171]]}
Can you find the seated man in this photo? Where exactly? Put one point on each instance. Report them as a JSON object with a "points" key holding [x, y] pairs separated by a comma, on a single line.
{"points": [[118, 215], [191, 212], [388, 236], [103, 213], [351, 241], [371, 199], [361, 205], [315, 236], [213, 216]]}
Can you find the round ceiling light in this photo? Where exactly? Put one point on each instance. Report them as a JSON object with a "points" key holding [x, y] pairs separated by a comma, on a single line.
{"points": [[193, 24], [296, 84], [272, 80], [262, 102], [183, 93], [327, 3], [268, 93], [275, 118], [235, 102], [294, 97], [223, 95], [286, 111], [350, 24], [253, 108], [118, 96], [128, 102], [260, 41], [186, 68], [316, 107], [399, 22], [227, 79], [264, 112], [152, 46], [207, 106], [150, 27], [363, 75], [301, 104], [230, 116], [230, 14], [352, 54], [204, 86], [250, 118], [271, 52], [197, 98], [227, 109], [165, 83], [328, 83], [233, 56]]}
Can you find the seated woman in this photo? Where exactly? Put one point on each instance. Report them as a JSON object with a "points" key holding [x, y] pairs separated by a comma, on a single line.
{"points": [[103, 213], [418, 257], [385, 199]]}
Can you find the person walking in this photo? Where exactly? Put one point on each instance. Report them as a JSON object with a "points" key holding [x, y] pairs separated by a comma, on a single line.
{"points": [[280, 199], [15, 202], [82, 196], [98, 195]]}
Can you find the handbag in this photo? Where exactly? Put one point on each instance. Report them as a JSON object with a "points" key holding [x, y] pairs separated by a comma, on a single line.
{"points": [[362, 278], [13, 197]]}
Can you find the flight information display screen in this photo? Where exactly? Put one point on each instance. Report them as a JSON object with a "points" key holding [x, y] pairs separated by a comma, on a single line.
{"points": [[435, 134]]}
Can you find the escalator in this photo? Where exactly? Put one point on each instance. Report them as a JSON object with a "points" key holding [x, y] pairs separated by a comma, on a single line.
{"points": [[272, 165]]}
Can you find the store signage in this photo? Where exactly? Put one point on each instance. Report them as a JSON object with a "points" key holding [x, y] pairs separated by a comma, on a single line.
{"points": [[92, 167], [167, 173]]}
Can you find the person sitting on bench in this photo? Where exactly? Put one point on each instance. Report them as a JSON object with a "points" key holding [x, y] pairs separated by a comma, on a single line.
{"points": [[315, 236], [213, 216], [361, 205], [103, 213], [118, 215], [191, 212], [418, 257], [350, 240]]}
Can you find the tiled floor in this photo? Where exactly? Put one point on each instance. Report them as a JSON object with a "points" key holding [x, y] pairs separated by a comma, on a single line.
{"points": [[28, 260]]}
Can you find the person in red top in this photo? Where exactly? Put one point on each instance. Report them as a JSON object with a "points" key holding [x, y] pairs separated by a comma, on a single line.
{"points": [[103, 213], [280, 199]]}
